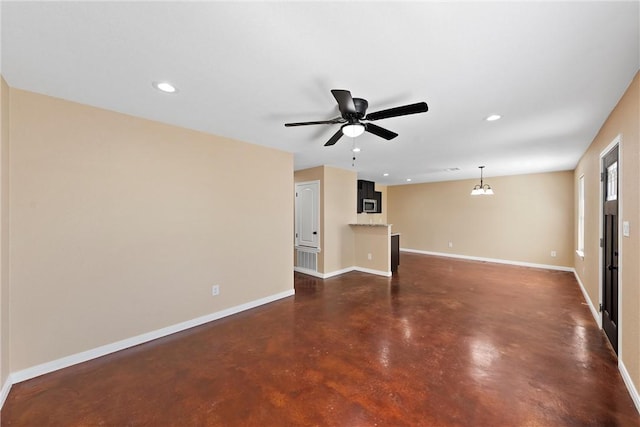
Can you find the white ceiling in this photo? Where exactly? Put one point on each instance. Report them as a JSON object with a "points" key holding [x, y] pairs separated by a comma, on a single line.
{"points": [[553, 70]]}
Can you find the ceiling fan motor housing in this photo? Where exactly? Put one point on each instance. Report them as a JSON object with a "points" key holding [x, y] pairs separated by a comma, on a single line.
{"points": [[361, 107]]}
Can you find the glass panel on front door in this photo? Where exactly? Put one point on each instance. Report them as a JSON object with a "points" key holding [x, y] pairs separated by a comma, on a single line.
{"points": [[612, 182]]}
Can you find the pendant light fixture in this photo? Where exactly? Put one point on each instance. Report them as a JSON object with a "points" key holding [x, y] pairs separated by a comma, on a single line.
{"points": [[482, 189]]}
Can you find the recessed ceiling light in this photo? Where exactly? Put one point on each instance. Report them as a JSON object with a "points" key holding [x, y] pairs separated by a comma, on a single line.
{"points": [[408, 179], [356, 150], [164, 87], [385, 174], [493, 117], [452, 169]]}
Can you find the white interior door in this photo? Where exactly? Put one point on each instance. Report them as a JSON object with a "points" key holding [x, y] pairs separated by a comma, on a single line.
{"points": [[308, 214]]}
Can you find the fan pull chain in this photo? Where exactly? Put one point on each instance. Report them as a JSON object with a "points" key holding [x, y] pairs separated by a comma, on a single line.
{"points": [[353, 150]]}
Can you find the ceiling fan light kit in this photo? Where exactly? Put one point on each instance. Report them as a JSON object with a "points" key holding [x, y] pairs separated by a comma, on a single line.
{"points": [[353, 130], [353, 112], [482, 189]]}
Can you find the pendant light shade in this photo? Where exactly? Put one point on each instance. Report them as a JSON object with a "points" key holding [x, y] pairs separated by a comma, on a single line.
{"points": [[482, 189]]}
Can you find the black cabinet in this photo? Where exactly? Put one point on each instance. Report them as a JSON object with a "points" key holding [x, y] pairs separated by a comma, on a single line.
{"points": [[367, 190], [395, 252], [377, 196]]}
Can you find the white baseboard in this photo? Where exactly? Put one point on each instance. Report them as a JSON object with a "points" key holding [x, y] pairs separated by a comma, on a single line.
{"points": [[494, 260], [370, 271], [339, 272], [4, 392], [309, 272], [592, 308], [633, 391], [84, 356], [322, 275], [443, 254]]}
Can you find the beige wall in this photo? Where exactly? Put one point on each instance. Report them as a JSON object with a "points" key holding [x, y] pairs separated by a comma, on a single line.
{"points": [[528, 217], [120, 226], [624, 121], [374, 241], [4, 232], [338, 198]]}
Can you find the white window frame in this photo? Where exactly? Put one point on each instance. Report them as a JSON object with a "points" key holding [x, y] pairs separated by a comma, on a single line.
{"points": [[580, 250]]}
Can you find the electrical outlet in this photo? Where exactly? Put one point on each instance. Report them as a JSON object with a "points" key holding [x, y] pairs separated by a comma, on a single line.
{"points": [[450, 244], [369, 257], [553, 253], [215, 290]]}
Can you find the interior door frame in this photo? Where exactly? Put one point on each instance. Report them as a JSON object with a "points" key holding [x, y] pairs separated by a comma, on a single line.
{"points": [[616, 141]]}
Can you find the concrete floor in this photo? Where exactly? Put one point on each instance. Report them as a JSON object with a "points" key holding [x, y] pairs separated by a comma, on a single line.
{"points": [[444, 342]]}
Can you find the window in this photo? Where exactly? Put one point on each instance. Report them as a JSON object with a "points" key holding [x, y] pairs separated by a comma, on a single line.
{"points": [[612, 182], [580, 250]]}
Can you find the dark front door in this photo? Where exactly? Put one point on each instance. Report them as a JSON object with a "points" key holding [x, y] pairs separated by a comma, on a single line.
{"points": [[610, 247]]}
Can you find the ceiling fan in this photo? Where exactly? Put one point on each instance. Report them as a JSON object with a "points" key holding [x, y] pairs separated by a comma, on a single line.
{"points": [[353, 110]]}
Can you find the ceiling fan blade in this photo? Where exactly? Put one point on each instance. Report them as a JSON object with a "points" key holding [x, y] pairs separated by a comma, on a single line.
{"points": [[336, 136], [420, 107], [321, 122], [345, 101], [381, 132]]}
